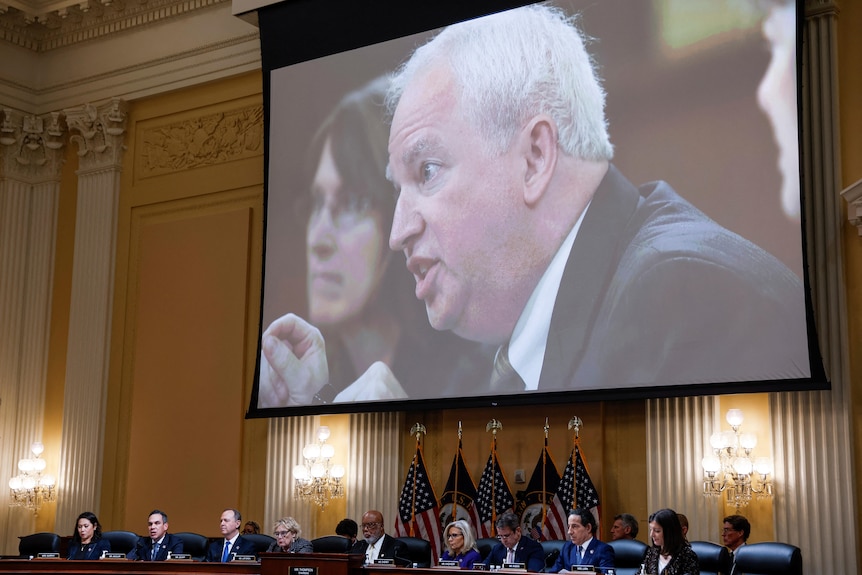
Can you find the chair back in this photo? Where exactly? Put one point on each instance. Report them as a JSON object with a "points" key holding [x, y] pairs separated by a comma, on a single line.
{"points": [[194, 544], [628, 555], [30, 545], [713, 559], [260, 541], [551, 549], [331, 544], [485, 545], [121, 541], [770, 558], [418, 551]]}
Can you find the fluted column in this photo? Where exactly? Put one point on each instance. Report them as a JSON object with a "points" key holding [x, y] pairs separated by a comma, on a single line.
{"points": [[374, 465], [812, 430], [98, 133], [30, 162]]}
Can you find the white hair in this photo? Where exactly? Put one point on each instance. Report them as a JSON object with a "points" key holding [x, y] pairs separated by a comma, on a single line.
{"points": [[514, 65]]}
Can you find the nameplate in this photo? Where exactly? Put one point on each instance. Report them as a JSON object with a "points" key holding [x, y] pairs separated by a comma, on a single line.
{"points": [[303, 570], [111, 555], [179, 556], [584, 569], [244, 558], [384, 562], [449, 563], [515, 566], [47, 556], [480, 567]]}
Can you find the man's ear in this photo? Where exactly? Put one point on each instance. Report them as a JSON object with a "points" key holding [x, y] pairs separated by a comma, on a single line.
{"points": [[539, 146]]}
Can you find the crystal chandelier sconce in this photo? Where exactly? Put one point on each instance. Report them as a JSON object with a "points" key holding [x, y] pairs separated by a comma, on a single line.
{"points": [[732, 470], [316, 479], [30, 489]]}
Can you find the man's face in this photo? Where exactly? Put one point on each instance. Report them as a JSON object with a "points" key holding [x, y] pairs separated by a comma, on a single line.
{"points": [[508, 537], [577, 532], [731, 537], [372, 527], [156, 526], [458, 216], [619, 530], [229, 524]]}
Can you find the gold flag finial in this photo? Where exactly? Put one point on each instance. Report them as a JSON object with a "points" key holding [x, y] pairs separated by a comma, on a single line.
{"points": [[418, 430], [494, 426], [576, 424]]}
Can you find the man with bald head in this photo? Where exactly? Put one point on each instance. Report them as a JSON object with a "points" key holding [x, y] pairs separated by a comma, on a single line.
{"points": [[375, 544]]}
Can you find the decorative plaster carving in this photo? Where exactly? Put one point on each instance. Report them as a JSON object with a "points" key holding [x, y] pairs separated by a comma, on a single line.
{"points": [[853, 195], [30, 146], [202, 141], [98, 132]]}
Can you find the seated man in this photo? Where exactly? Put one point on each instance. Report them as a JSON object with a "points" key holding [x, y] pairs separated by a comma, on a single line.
{"points": [[583, 548], [375, 544], [347, 528], [625, 527], [233, 543], [157, 546], [515, 547]]}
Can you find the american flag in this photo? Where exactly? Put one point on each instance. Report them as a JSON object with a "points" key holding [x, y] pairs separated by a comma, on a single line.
{"points": [[494, 494], [576, 489], [459, 495], [418, 514], [541, 489]]}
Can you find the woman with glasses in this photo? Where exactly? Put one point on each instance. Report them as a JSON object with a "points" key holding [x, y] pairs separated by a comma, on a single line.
{"points": [[287, 540], [461, 545]]}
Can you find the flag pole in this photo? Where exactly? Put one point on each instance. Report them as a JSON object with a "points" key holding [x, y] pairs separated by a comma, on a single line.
{"points": [[493, 426], [544, 478], [457, 468], [418, 430], [576, 423]]}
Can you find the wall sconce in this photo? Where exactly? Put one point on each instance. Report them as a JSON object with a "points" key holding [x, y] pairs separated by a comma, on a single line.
{"points": [[732, 470], [30, 488], [315, 479]]}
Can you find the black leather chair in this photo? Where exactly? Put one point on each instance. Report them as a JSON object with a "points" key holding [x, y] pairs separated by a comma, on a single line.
{"points": [[260, 541], [331, 544], [552, 550], [30, 545], [770, 558], [628, 555], [121, 541], [712, 559], [194, 544], [485, 545], [418, 551]]}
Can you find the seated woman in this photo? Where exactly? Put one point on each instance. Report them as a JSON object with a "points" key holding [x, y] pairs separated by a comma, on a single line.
{"points": [[287, 540], [670, 554], [87, 542], [460, 544]]}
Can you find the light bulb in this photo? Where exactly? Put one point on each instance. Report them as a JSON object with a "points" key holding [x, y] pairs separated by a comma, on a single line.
{"points": [[729, 439], [37, 448], [300, 472], [15, 483], [311, 451], [716, 440], [25, 465], [47, 481], [323, 433], [748, 440], [39, 465], [742, 465], [734, 417], [317, 470], [28, 483], [337, 471], [763, 465], [711, 464], [327, 451]]}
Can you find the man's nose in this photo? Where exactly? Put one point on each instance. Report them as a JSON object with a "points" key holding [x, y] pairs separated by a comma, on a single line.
{"points": [[407, 224]]}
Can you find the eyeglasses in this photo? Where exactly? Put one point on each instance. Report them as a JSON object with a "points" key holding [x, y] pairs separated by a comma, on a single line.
{"points": [[453, 535], [371, 525], [282, 533], [505, 535]]}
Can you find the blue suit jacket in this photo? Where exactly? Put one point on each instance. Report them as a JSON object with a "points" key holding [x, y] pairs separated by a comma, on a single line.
{"points": [[240, 547], [144, 548], [598, 554], [92, 550], [529, 552]]}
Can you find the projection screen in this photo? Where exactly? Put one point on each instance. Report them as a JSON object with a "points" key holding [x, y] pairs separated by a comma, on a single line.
{"points": [[452, 250]]}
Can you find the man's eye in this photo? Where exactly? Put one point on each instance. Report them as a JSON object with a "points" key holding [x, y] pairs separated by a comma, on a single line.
{"points": [[429, 170]]}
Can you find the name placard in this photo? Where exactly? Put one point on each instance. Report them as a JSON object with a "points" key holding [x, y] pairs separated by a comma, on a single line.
{"points": [[179, 556], [245, 558], [47, 556], [480, 567], [113, 556], [584, 569], [449, 563], [515, 566], [384, 562], [303, 570]]}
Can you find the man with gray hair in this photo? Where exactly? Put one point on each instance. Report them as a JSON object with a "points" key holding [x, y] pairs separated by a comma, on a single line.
{"points": [[625, 527], [520, 233]]}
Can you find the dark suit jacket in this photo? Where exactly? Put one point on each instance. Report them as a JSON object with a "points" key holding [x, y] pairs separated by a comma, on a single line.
{"points": [[528, 552], [240, 547], [682, 563], [656, 292], [144, 548], [390, 548], [91, 550], [598, 554]]}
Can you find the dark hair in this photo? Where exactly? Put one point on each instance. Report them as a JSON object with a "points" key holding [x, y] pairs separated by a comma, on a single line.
{"points": [[587, 518], [671, 529], [630, 521], [347, 528], [91, 517], [236, 514], [739, 523], [162, 513], [508, 519]]}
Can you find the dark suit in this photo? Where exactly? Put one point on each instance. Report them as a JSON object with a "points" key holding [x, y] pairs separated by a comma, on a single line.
{"points": [[240, 547], [92, 550], [598, 554], [143, 551], [528, 552], [390, 548], [656, 292]]}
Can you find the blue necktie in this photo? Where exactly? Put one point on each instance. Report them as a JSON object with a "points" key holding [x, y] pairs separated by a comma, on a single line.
{"points": [[578, 556], [226, 553], [155, 550]]}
